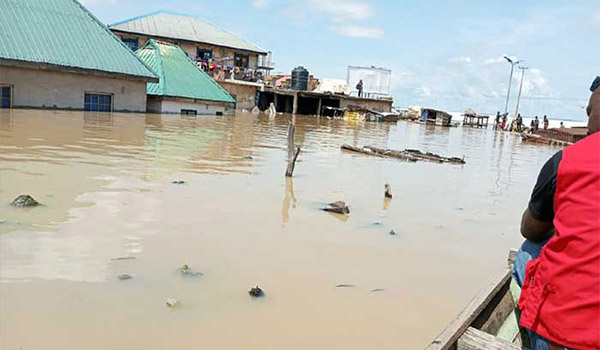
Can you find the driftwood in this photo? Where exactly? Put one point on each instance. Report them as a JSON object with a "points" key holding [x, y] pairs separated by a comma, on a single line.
{"points": [[388, 191], [293, 151], [410, 155], [338, 207]]}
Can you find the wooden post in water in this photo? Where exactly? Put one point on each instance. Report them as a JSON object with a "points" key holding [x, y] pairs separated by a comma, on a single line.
{"points": [[293, 151]]}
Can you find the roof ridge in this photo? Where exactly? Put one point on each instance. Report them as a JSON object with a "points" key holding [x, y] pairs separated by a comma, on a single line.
{"points": [[162, 84], [106, 29]]}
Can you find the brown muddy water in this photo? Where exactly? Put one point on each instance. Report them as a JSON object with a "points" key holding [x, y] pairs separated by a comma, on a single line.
{"points": [[106, 185]]}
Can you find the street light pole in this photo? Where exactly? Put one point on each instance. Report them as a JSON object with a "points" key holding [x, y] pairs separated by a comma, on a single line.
{"points": [[523, 69], [512, 68]]}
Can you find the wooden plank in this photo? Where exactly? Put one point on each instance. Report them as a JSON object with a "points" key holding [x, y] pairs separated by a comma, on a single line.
{"points": [[509, 330], [492, 317], [448, 337], [474, 339]]}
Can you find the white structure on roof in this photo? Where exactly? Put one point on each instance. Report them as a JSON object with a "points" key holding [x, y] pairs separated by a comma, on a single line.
{"points": [[376, 81], [333, 86]]}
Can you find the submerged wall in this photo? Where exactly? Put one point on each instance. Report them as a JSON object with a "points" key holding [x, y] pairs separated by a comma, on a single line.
{"points": [[244, 93], [38, 88], [374, 105], [157, 104]]}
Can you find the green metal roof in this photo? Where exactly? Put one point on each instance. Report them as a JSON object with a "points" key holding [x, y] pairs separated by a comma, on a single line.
{"points": [[63, 33], [178, 75]]}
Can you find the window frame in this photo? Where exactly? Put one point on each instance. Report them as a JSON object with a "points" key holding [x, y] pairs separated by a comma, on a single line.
{"points": [[128, 41], [187, 111], [239, 57], [11, 92], [203, 51], [98, 97]]}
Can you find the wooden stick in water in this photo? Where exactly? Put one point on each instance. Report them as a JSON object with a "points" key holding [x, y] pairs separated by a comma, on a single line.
{"points": [[293, 151]]}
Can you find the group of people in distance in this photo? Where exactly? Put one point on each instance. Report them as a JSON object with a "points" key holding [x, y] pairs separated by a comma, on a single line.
{"points": [[517, 124]]}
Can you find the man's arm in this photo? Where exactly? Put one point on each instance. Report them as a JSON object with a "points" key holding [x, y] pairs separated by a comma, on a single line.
{"points": [[535, 230], [536, 223]]}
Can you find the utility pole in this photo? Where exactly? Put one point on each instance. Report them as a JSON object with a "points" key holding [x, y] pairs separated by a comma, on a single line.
{"points": [[512, 68], [523, 69]]}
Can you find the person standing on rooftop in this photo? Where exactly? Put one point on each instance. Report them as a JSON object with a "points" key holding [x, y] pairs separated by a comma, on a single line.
{"points": [[359, 87]]}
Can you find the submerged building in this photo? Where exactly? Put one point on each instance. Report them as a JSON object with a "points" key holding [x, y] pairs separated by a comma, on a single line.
{"points": [[182, 87], [237, 64], [56, 54]]}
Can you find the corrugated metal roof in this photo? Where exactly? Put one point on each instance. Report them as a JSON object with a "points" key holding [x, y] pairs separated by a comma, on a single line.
{"points": [[175, 26], [179, 76], [64, 33]]}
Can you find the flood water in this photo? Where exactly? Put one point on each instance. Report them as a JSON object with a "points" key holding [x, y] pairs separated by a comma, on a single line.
{"points": [[106, 185]]}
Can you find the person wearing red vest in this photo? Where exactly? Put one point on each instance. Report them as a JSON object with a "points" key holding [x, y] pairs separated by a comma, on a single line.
{"points": [[558, 266]]}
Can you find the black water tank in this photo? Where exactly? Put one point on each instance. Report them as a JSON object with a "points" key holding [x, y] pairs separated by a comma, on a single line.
{"points": [[300, 79]]}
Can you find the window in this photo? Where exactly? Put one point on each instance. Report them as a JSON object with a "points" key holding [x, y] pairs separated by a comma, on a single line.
{"points": [[6, 96], [241, 61], [203, 54], [189, 112], [97, 102], [131, 43]]}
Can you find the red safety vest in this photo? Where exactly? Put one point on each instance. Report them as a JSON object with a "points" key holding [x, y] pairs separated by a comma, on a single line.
{"points": [[560, 299]]}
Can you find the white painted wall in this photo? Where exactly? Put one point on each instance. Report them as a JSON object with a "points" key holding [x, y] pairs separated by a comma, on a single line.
{"points": [[37, 88], [160, 105]]}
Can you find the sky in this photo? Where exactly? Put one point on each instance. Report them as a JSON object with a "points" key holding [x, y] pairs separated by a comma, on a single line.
{"points": [[445, 54]]}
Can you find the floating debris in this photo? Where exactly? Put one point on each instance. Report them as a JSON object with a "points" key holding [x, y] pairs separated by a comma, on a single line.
{"points": [[125, 276], [388, 191], [25, 201], [178, 182], [377, 290], [171, 303], [410, 155], [256, 292], [188, 271], [392, 232], [123, 258], [338, 207], [345, 286]]}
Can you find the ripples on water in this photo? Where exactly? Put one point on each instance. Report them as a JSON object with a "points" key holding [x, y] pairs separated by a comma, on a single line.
{"points": [[105, 181]]}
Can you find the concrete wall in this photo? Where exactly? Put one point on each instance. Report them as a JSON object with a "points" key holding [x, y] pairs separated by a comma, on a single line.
{"points": [[244, 93], [37, 88], [375, 105], [191, 49], [169, 105]]}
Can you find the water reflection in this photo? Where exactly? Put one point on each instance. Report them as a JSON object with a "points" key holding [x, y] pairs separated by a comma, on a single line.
{"points": [[288, 199]]}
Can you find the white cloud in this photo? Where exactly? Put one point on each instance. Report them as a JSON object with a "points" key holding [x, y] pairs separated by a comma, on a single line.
{"points": [[494, 60], [260, 3], [535, 84], [342, 9], [461, 59], [354, 31]]}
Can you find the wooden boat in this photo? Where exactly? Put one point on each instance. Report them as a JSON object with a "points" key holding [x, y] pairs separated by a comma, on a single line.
{"points": [[489, 322], [533, 138]]}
